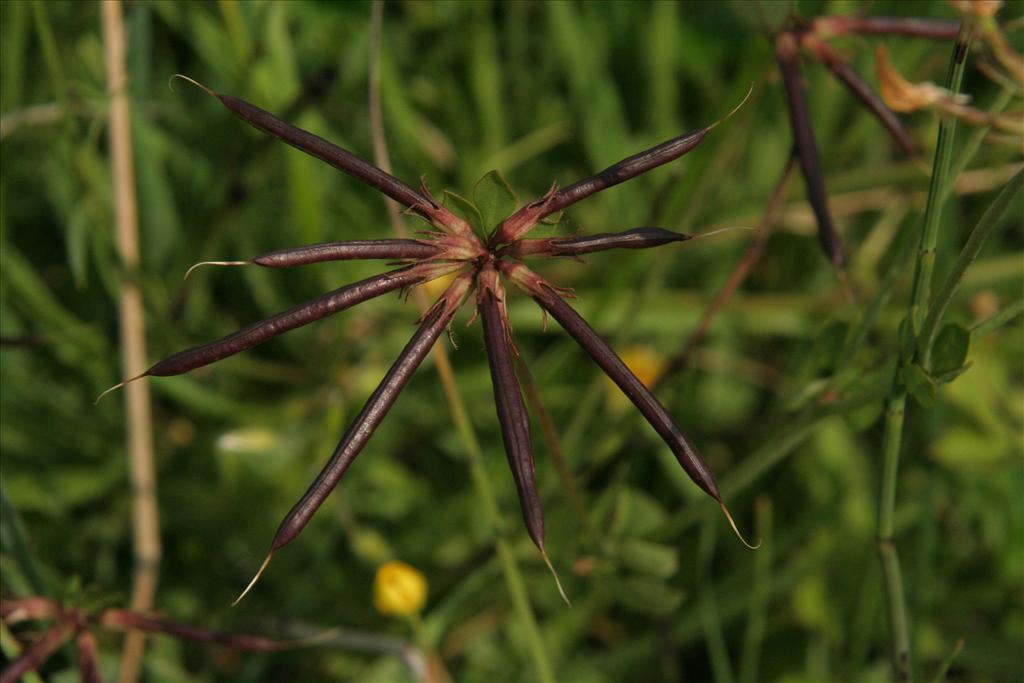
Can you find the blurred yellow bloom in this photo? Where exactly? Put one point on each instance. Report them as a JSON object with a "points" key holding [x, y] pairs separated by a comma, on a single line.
{"points": [[435, 288], [979, 8], [645, 364], [399, 589]]}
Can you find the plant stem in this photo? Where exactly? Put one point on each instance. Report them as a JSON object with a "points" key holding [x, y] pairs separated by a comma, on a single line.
{"points": [[989, 221], [998, 320], [938, 189], [896, 403], [142, 471], [897, 607], [489, 503]]}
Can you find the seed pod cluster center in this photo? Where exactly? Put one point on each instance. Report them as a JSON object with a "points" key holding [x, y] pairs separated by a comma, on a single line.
{"points": [[481, 258]]}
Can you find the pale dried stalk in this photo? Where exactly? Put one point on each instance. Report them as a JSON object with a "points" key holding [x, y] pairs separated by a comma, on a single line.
{"points": [[145, 514]]}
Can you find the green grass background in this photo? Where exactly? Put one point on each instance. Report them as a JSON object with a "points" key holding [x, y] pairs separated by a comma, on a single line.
{"points": [[542, 92]]}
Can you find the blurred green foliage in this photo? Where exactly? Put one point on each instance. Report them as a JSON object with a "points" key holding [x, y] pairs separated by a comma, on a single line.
{"points": [[786, 416]]}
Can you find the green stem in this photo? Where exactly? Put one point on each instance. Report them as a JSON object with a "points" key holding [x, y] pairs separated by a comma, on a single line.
{"points": [[990, 220], [940, 675], [891, 438], [521, 604], [998, 320], [976, 140], [897, 610], [896, 403], [938, 188]]}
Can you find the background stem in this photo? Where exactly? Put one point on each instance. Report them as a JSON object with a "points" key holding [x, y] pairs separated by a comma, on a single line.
{"points": [[145, 513]]}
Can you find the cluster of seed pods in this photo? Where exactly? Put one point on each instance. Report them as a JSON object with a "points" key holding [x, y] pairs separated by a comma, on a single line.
{"points": [[451, 246], [810, 37]]}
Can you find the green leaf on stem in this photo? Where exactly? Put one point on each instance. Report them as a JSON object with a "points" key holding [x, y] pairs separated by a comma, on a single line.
{"points": [[919, 384], [950, 349]]}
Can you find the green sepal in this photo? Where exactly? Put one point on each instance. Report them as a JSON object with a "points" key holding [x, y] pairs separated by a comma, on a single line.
{"points": [[494, 198], [464, 209]]}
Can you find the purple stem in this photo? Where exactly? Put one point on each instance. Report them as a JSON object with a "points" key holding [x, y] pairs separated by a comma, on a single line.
{"points": [[913, 27], [36, 654], [124, 619], [861, 90], [88, 656]]}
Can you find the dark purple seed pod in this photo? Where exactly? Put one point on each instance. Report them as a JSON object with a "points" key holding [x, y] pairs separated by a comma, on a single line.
{"points": [[806, 149], [519, 223], [398, 249], [376, 408], [508, 400], [637, 238], [316, 146], [618, 372], [303, 314]]}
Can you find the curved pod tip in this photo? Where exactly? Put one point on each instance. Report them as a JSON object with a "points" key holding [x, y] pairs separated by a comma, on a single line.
{"points": [[259, 573], [193, 81], [215, 263], [118, 386], [558, 583], [750, 91], [719, 231], [736, 530]]}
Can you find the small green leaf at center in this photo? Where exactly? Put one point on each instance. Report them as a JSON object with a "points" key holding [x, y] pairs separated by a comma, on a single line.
{"points": [[494, 198]]}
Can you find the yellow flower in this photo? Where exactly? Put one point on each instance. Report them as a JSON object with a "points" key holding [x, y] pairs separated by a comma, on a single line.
{"points": [[399, 589], [435, 288], [645, 363]]}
